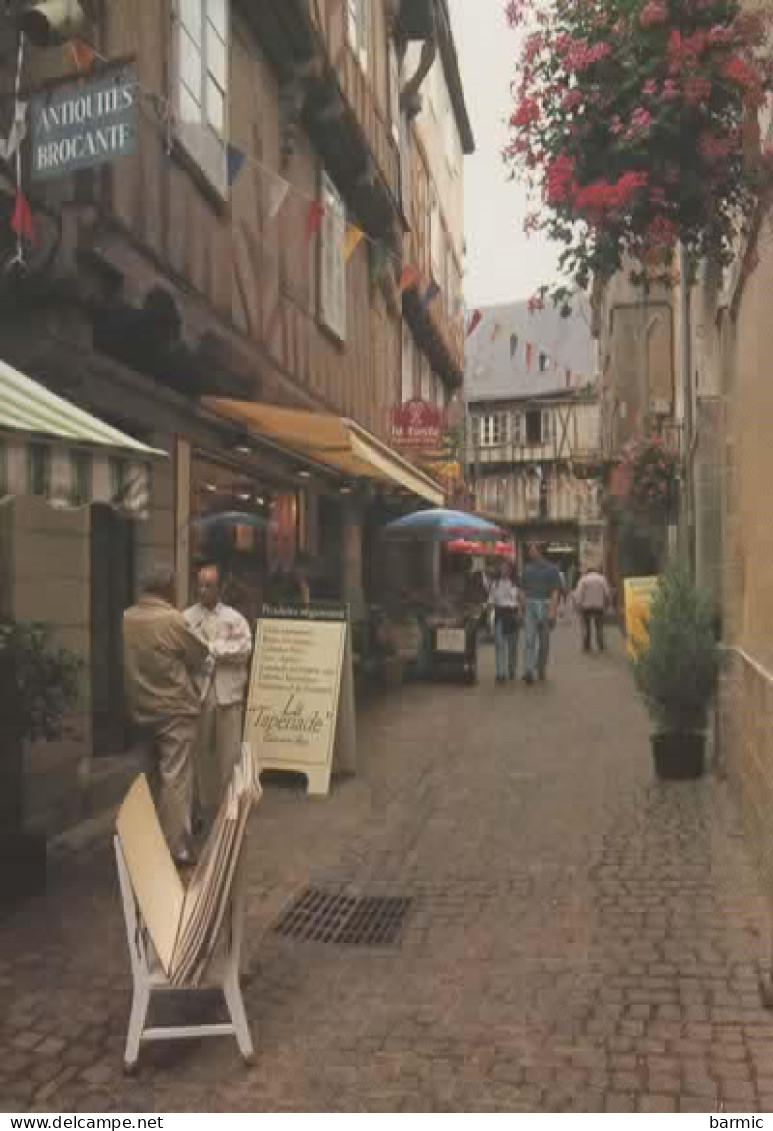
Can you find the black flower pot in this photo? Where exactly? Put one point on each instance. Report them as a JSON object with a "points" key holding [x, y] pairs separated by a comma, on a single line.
{"points": [[678, 756]]}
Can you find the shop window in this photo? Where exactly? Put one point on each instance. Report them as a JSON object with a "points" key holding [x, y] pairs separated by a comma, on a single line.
{"points": [[544, 362], [332, 288], [202, 86]]}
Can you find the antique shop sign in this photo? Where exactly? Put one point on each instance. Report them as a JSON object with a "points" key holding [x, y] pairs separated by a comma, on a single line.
{"points": [[83, 124], [301, 703]]}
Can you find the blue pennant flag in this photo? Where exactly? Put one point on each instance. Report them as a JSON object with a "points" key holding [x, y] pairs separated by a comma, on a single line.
{"points": [[236, 161], [431, 293]]}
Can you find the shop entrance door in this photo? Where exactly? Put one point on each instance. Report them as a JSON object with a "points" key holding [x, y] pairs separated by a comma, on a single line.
{"points": [[112, 591]]}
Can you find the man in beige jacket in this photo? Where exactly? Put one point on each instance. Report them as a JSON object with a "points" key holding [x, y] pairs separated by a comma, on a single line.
{"points": [[162, 660]]}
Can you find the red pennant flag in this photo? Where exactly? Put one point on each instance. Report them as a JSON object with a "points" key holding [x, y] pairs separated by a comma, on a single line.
{"points": [[314, 219], [21, 221], [409, 276], [475, 321]]}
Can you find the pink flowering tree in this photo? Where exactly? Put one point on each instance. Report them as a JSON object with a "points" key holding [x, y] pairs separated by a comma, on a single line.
{"points": [[632, 124]]}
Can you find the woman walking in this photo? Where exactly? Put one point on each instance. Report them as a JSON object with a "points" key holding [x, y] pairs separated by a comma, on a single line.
{"points": [[503, 597]]}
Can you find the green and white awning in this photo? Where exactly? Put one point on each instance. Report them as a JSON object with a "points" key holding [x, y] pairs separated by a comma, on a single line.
{"points": [[53, 449]]}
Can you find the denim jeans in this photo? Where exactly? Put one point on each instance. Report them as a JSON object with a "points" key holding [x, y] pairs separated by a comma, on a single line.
{"points": [[505, 650], [537, 649]]}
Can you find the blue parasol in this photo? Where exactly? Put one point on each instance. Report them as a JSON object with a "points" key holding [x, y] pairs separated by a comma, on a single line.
{"points": [[441, 525]]}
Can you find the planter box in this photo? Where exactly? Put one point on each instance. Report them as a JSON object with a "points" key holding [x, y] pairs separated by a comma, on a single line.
{"points": [[22, 867], [679, 757]]}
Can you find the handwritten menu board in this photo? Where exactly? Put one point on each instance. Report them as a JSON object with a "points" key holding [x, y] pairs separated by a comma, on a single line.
{"points": [[295, 689]]}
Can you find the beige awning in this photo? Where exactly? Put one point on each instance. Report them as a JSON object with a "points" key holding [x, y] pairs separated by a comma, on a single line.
{"points": [[334, 441]]}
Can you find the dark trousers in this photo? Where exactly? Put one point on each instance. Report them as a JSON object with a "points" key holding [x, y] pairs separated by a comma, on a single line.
{"points": [[593, 617]]}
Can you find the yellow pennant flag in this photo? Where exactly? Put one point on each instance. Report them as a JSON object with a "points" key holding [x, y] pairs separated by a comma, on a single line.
{"points": [[352, 240]]}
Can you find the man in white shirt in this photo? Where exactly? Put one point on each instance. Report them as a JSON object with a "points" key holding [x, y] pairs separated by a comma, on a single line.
{"points": [[222, 688], [592, 598]]}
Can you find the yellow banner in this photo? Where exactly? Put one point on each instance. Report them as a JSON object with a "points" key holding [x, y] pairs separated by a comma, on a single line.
{"points": [[638, 593]]}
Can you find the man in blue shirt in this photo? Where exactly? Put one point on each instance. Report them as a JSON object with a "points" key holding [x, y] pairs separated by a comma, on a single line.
{"points": [[541, 585]]}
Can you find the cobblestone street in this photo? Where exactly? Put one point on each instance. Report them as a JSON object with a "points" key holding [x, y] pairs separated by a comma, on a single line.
{"points": [[579, 937]]}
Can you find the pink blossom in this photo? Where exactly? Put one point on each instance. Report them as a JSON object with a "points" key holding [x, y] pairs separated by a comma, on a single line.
{"points": [[653, 14]]}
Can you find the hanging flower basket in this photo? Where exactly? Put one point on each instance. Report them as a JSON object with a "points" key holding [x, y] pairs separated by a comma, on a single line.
{"points": [[653, 474], [631, 126]]}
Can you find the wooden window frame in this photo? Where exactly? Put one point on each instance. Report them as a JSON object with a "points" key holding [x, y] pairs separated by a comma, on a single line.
{"points": [[198, 139], [331, 247]]}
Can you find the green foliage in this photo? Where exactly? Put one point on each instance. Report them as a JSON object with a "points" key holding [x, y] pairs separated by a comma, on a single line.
{"points": [[678, 672], [45, 680]]}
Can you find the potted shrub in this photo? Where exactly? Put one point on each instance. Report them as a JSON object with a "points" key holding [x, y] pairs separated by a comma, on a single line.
{"points": [[678, 672], [39, 684]]}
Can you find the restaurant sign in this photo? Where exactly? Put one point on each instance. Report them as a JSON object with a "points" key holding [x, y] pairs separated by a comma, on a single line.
{"points": [[417, 426], [84, 124]]}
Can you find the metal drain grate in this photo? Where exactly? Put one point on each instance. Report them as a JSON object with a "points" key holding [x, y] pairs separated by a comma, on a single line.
{"points": [[348, 920]]}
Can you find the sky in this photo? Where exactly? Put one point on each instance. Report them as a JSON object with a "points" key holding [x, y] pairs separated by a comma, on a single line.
{"points": [[502, 265]]}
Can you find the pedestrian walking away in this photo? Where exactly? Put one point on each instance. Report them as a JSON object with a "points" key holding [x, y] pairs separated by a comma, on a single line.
{"points": [[541, 585], [593, 597], [504, 599], [162, 662], [222, 687]]}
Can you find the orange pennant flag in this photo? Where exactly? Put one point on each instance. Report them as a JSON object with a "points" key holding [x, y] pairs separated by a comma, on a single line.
{"points": [[353, 239], [408, 278], [82, 53]]}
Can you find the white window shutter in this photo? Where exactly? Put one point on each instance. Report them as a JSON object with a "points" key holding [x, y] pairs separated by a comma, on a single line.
{"points": [[332, 290], [365, 32]]}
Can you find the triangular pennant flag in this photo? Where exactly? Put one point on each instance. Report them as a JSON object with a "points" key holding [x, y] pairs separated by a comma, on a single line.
{"points": [[408, 277], [475, 321], [431, 293], [21, 221], [235, 163], [314, 219], [276, 197], [352, 240], [83, 54]]}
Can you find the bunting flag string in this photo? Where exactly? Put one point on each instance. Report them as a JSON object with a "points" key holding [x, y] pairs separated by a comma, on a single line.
{"points": [[84, 56], [352, 240]]}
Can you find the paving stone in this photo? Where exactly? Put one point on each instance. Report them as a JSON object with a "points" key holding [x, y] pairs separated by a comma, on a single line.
{"points": [[581, 939]]}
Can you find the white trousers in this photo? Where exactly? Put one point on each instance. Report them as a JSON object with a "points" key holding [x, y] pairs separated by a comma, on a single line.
{"points": [[218, 750]]}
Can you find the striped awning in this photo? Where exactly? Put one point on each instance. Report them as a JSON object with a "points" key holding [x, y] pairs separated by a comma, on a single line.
{"points": [[52, 449]]}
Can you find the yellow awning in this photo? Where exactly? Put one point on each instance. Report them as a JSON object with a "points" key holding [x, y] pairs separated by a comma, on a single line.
{"points": [[334, 441]]}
